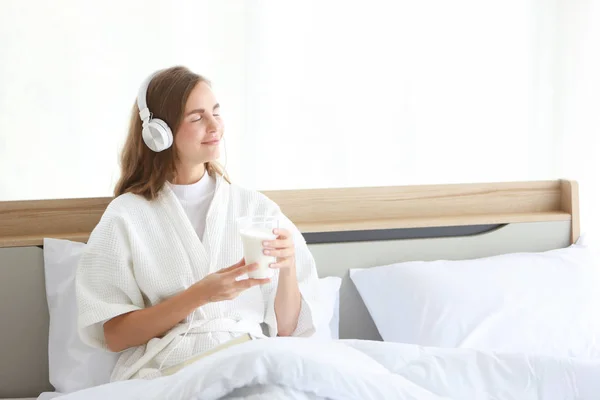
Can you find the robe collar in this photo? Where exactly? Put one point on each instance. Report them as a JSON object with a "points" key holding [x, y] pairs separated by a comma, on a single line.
{"points": [[203, 252]]}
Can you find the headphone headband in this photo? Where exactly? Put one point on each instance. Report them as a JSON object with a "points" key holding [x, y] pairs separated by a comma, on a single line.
{"points": [[141, 99]]}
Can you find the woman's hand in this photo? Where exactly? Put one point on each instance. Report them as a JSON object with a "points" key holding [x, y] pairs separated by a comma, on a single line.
{"points": [[282, 248], [224, 284], [138, 327]]}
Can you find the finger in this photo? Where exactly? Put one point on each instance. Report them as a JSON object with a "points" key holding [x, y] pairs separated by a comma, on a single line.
{"points": [[288, 252], [244, 269], [234, 266], [282, 233], [248, 283], [282, 263], [278, 244]]}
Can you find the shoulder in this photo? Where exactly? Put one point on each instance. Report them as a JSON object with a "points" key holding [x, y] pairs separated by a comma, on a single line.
{"points": [[120, 223], [125, 203], [131, 207], [123, 212]]}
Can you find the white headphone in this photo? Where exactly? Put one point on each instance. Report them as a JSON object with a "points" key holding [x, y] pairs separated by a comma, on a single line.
{"points": [[156, 133]]}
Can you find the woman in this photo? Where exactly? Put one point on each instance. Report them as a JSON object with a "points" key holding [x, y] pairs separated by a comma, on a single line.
{"points": [[162, 278]]}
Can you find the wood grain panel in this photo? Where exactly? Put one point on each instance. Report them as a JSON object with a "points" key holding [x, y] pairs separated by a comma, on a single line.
{"points": [[25, 223], [418, 202], [570, 205]]}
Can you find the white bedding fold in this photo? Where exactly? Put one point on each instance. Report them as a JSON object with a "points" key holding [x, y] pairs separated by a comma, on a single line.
{"points": [[352, 369]]}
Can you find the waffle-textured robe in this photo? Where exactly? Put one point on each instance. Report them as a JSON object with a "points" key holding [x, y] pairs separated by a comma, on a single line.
{"points": [[143, 252]]}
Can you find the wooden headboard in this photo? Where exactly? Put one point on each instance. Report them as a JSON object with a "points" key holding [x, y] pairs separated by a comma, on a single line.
{"points": [[26, 223]]}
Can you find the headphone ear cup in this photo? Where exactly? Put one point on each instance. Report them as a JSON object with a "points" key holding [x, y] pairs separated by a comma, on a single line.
{"points": [[167, 130], [157, 135]]}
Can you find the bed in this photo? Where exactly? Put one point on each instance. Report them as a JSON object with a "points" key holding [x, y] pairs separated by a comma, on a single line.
{"points": [[349, 228]]}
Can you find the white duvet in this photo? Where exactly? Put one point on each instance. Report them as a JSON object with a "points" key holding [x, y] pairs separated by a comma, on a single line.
{"points": [[296, 368]]}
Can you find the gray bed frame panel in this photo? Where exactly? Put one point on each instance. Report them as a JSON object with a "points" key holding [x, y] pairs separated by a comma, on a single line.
{"points": [[336, 259], [24, 326], [24, 311]]}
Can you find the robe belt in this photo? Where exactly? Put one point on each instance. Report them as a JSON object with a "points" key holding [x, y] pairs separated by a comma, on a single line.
{"points": [[222, 325]]}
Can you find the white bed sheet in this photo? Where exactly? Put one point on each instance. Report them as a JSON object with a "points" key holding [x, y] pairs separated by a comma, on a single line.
{"points": [[49, 395], [284, 368], [261, 392]]}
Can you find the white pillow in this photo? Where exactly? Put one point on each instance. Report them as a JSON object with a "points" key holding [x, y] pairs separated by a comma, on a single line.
{"points": [[74, 365], [329, 289], [545, 303]]}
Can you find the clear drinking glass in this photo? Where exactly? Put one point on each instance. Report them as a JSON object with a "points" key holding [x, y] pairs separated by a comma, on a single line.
{"points": [[254, 231]]}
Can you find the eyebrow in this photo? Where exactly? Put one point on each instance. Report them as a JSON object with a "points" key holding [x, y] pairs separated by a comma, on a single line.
{"points": [[202, 110]]}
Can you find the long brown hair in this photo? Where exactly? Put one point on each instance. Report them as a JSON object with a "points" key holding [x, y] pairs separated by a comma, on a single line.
{"points": [[143, 171]]}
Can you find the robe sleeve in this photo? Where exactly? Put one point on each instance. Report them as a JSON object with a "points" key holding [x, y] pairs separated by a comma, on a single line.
{"points": [[308, 282], [105, 282]]}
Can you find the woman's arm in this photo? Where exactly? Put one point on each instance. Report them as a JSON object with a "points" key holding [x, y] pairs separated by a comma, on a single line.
{"points": [[288, 302], [288, 299], [138, 327]]}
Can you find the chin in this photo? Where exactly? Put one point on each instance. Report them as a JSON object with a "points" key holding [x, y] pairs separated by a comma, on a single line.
{"points": [[215, 155], [211, 156]]}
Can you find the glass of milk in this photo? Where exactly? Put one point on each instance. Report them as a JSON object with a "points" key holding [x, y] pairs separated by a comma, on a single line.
{"points": [[254, 231]]}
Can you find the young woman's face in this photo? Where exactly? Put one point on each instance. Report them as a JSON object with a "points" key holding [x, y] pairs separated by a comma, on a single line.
{"points": [[200, 133]]}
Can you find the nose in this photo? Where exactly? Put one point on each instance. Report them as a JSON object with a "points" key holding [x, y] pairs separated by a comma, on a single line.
{"points": [[213, 125]]}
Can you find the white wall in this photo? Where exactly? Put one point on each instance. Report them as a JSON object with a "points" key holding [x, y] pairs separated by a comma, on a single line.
{"points": [[387, 93], [398, 92]]}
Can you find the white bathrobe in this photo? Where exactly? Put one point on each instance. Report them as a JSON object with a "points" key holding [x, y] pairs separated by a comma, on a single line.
{"points": [[143, 252]]}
